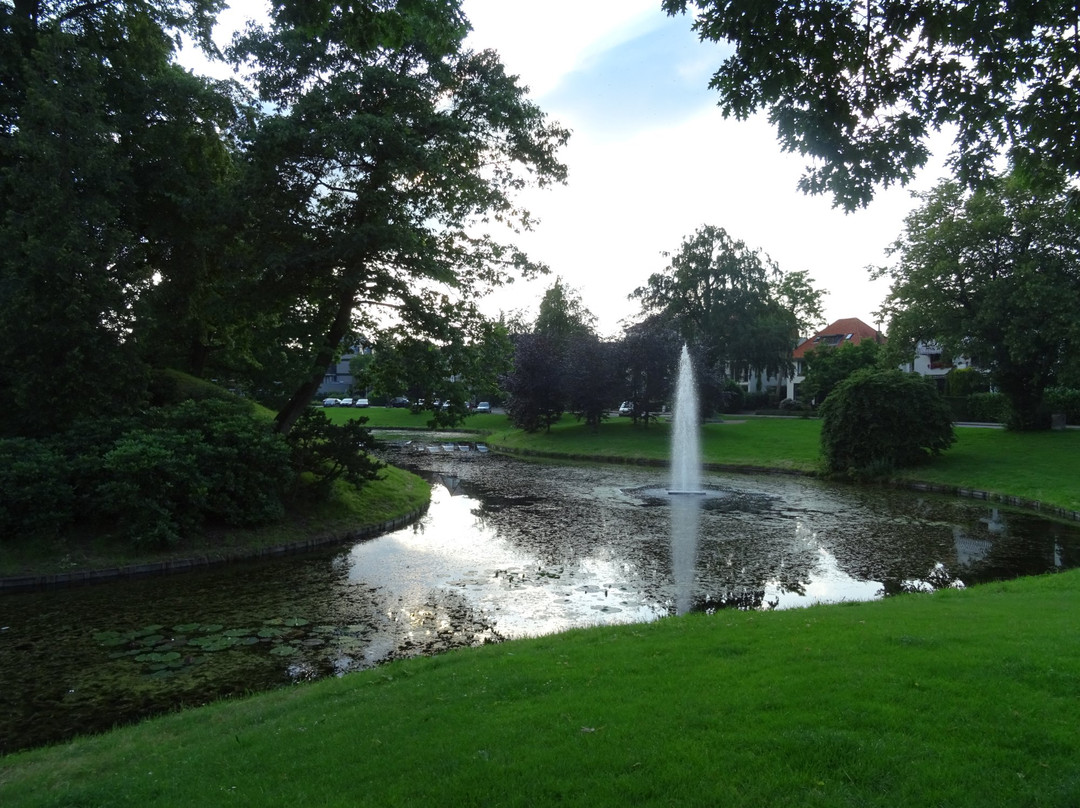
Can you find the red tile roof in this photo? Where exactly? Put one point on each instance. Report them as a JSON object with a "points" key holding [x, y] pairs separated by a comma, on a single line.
{"points": [[850, 329]]}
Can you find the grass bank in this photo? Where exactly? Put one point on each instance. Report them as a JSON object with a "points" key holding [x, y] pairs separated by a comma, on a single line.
{"points": [[396, 494], [1039, 466], [959, 698]]}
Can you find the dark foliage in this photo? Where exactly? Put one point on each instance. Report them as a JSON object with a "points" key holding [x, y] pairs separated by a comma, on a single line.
{"points": [[534, 388], [590, 378], [331, 452], [878, 420], [149, 480]]}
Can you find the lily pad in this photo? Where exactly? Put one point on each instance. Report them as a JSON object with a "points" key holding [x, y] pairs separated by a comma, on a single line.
{"points": [[215, 642], [111, 639], [284, 650], [168, 656]]}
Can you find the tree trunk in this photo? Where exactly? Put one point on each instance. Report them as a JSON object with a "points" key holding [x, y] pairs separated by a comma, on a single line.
{"points": [[301, 399]]}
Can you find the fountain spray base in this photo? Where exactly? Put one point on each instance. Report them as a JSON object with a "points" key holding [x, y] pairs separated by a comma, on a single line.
{"points": [[685, 493]]}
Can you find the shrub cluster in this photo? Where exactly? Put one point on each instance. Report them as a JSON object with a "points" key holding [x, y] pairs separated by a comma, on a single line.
{"points": [[877, 420], [1066, 400], [992, 408], [326, 452], [148, 479]]}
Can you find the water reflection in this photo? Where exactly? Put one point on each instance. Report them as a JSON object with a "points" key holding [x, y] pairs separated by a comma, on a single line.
{"points": [[507, 549]]}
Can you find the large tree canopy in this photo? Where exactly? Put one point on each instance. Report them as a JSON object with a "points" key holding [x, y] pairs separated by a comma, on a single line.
{"points": [[107, 152], [993, 275], [731, 302], [389, 149], [151, 218], [860, 85]]}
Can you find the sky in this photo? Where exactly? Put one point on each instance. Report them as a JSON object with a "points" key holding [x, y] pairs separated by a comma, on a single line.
{"points": [[651, 159]]}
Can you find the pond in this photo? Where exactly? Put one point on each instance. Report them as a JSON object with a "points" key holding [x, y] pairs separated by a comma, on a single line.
{"points": [[508, 549]]}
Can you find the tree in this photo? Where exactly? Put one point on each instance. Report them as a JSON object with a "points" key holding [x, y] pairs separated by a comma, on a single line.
{"points": [[860, 86], [590, 378], [878, 420], [562, 315], [388, 150], [827, 366], [649, 353], [534, 387], [993, 275], [797, 294], [92, 115], [724, 298]]}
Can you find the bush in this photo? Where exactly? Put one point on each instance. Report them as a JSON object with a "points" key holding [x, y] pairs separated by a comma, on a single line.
{"points": [[963, 382], [1066, 400], [986, 407], [149, 479], [36, 497], [180, 467], [732, 397], [877, 420], [329, 452]]}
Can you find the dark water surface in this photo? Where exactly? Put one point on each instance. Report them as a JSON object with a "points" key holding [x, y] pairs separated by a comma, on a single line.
{"points": [[508, 549]]}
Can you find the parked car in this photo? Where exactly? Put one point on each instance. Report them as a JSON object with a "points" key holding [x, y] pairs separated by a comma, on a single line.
{"points": [[331, 402], [399, 401], [345, 402], [360, 402], [483, 406], [626, 408]]}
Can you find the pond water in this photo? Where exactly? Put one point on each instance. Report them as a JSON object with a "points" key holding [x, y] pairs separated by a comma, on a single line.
{"points": [[508, 549]]}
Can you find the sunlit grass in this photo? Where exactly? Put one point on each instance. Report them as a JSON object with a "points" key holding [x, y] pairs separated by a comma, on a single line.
{"points": [[959, 698]]}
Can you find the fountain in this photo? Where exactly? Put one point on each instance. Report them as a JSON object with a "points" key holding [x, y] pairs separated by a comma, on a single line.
{"points": [[686, 487], [685, 449]]}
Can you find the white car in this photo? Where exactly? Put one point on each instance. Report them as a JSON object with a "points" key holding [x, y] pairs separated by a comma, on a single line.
{"points": [[626, 408], [360, 402], [483, 406], [345, 402], [331, 402]]}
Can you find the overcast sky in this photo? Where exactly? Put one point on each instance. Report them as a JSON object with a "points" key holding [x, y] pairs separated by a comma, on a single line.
{"points": [[651, 159]]}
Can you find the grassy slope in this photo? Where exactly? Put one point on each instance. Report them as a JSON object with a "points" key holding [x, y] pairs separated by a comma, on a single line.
{"points": [[960, 698]]}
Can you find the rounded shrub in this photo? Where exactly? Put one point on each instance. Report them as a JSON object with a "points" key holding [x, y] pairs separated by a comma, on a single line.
{"points": [[878, 420]]}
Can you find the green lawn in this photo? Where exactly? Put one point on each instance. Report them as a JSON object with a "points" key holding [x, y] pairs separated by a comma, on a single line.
{"points": [[958, 698], [1042, 466]]}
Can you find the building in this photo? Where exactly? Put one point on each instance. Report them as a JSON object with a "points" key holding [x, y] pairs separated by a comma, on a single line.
{"points": [[849, 331], [338, 379], [928, 362]]}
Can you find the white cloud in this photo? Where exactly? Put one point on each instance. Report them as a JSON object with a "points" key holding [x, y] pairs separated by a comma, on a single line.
{"points": [[652, 159]]}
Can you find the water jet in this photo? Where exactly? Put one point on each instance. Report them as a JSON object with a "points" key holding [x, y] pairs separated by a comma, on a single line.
{"points": [[686, 491]]}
